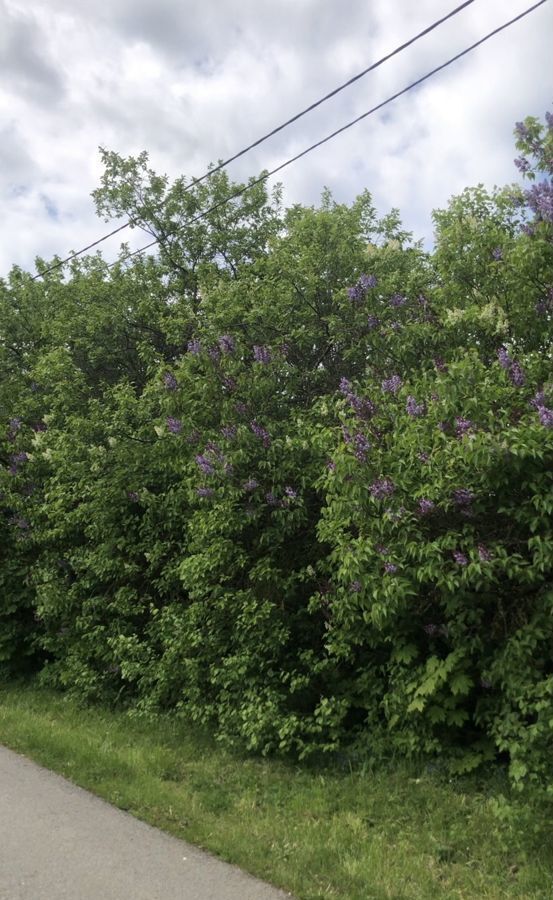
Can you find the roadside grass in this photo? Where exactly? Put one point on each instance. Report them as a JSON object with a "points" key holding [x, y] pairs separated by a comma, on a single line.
{"points": [[395, 834]]}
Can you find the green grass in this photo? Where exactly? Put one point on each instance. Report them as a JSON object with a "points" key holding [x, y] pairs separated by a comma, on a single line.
{"points": [[324, 833]]}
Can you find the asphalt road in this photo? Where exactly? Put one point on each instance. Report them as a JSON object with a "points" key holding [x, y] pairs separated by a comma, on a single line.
{"points": [[58, 842]]}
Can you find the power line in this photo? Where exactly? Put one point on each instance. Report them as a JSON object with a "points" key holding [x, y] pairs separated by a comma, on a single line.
{"points": [[338, 131], [269, 134]]}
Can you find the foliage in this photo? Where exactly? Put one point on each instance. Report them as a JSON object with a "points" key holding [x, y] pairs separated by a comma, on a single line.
{"points": [[293, 476]]}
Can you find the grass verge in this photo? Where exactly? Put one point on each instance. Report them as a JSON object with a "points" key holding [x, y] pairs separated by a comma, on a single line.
{"points": [[396, 834]]}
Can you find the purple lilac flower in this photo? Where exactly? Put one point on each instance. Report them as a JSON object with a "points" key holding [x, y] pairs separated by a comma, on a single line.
{"points": [[170, 381], [397, 300], [205, 464], [497, 253], [504, 358], [392, 385], [484, 554], [522, 164], [229, 383], [522, 131], [226, 343], [261, 354], [362, 447], [516, 374], [373, 322], [395, 326], [194, 346], [214, 353], [440, 364], [424, 456], [359, 290], [460, 558], [463, 426], [14, 426], [368, 281], [545, 416], [413, 408], [331, 465], [538, 399], [380, 548], [355, 587], [250, 485], [272, 499], [205, 492], [363, 408], [540, 200], [261, 433], [229, 432], [463, 497], [426, 506], [290, 493], [383, 487], [174, 425], [390, 568], [133, 496], [284, 350]]}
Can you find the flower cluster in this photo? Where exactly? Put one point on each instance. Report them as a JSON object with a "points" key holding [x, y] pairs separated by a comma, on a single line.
{"points": [[170, 381], [511, 366], [13, 427], [261, 354], [363, 408], [463, 426], [174, 425], [397, 300], [381, 488], [460, 558], [16, 460], [426, 506], [358, 292], [484, 554], [194, 346], [392, 385], [226, 343], [250, 485], [261, 433], [372, 322], [205, 492], [361, 447], [462, 497], [413, 408], [229, 432]]}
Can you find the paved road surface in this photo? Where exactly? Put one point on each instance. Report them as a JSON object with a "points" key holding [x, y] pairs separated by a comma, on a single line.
{"points": [[58, 842]]}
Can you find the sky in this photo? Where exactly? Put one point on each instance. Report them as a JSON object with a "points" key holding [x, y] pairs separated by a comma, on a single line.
{"points": [[193, 82]]}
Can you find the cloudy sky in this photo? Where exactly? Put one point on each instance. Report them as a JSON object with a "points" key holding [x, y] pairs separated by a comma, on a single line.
{"points": [[192, 82]]}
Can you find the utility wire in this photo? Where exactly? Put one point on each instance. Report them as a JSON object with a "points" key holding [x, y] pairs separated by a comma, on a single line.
{"points": [[269, 134], [335, 133]]}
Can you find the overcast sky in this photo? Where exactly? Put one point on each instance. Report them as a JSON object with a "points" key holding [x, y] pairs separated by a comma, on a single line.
{"points": [[192, 82]]}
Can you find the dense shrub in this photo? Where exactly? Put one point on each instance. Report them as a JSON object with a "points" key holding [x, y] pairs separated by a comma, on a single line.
{"points": [[294, 476]]}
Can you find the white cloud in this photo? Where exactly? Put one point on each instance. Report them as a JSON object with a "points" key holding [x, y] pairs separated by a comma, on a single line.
{"points": [[192, 83]]}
